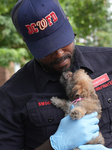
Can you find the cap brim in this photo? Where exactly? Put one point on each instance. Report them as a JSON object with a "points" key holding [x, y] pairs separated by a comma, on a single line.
{"points": [[60, 38]]}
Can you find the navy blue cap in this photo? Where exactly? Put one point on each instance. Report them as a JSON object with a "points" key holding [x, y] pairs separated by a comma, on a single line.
{"points": [[43, 25]]}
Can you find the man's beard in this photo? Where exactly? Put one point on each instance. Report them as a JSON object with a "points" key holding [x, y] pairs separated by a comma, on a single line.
{"points": [[53, 70]]}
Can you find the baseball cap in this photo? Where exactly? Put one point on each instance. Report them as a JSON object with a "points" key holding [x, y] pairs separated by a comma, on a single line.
{"points": [[43, 25]]}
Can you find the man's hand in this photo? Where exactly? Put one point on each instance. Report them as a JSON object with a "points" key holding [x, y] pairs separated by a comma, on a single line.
{"points": [[73, 133], [93, 147]]}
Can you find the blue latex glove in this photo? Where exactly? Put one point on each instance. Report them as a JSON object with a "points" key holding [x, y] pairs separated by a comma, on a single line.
{"points": [[93, 147], [72, 133]]}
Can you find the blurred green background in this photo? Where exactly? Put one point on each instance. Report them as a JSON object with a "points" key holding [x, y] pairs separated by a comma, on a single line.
{"points": [[91, 21]]}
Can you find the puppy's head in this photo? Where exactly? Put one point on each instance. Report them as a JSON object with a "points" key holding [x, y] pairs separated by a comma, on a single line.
{"points": [[77, 84]]}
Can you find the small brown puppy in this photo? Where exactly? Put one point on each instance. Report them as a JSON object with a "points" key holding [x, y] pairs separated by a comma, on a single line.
{"points": [[80, 91]]}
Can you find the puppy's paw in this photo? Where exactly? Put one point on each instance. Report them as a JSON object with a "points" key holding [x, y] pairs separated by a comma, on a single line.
{"points": [[54, 100], [57, 102], [77, 113]]}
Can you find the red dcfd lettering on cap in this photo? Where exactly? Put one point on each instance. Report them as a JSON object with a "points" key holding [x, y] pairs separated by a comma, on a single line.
{"points": [[42, 24], [53, 16], [31, 28], [50, 19]]}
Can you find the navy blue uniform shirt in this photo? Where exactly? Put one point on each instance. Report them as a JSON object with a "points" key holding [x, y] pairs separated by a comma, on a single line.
{"points": [[27, 118]]}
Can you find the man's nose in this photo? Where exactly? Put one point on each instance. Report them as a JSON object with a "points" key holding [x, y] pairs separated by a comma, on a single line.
{"points": [[58, 53]]}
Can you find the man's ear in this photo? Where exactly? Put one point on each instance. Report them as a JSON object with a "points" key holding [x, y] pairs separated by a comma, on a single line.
{"points": [[68, 18]]}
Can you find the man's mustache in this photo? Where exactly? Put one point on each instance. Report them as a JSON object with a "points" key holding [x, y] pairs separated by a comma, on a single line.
{"points": [[57, 61]]}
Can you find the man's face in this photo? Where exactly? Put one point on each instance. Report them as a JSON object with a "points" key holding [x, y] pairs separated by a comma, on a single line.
{"points": [[58, 60]]}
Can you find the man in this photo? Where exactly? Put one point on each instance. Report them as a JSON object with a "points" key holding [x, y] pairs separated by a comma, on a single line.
{"points": [[27, 119]]}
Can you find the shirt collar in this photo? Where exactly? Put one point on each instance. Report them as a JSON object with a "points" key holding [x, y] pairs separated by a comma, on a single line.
{"points": [[81, 61], [42, 77]]}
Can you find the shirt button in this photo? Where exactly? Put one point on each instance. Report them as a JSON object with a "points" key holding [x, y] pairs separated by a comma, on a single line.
{"points": [[109, 100], [50, 119]]}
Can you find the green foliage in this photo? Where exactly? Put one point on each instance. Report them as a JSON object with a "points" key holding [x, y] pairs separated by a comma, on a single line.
{"points": [[7, 55], [6, 6], [12, 46], [103, 36], [90, 18], [86, 15], [8, 34]]}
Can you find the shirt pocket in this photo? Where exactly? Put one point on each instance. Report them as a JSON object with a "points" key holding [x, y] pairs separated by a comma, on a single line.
{"points": [[105, 124], [42, 112]]}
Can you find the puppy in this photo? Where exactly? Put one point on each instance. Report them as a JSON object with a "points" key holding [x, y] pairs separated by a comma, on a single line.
{"points": [[80, 91]]}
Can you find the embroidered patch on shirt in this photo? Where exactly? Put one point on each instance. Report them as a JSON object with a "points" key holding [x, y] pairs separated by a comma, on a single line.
{"points": [[44, 103], [100, 80], [103, 86]]}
